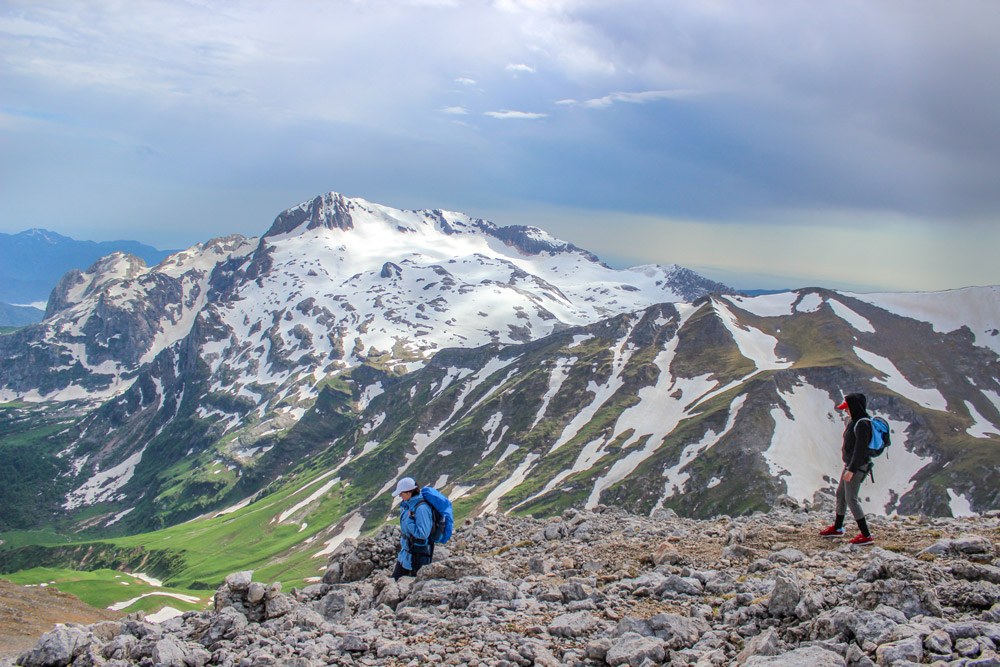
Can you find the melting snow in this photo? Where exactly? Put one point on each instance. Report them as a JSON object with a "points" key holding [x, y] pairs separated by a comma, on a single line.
{"points": [[507, 452], [857, 321], [118, 606], [768, 305], [981, 427], [316, 495], [492, 501], [960, 504], [578, 340], [676, 478], [164, 614], [369, 394], [560, 371], [103, 485], [929, 398], [809, 303], [623, 353], [351, 530], [754, 344], [975, 307]]}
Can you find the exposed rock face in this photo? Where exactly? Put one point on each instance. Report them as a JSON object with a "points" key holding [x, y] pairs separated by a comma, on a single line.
{"points": [[758, 590]]}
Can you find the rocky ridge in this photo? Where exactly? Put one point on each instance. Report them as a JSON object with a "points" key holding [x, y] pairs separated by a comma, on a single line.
{"points": [[602, 587]]}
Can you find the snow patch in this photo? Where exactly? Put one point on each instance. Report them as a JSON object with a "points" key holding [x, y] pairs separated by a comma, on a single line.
{"points": [[981, 427], [104, 485], [754, 344], [857, 321], [351, 530], [118, 606], [492, 501], [768, 305], [960, 504], [894, 380], [809, 303]]}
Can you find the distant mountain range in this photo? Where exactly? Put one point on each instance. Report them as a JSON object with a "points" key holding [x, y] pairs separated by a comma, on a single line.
{"points": [[354, 343], [33, 261]]}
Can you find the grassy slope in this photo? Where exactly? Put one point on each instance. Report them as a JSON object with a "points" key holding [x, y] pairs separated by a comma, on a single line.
{"points": [[249, 538], [104, 588]]}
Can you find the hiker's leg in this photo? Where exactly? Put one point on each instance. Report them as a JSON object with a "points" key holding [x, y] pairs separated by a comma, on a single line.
{"points": [[863, 527], [851, 491], [841, 502], [400, 571], [419, 560]]}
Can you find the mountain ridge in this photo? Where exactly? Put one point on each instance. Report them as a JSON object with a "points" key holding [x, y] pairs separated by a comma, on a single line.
{"points": [[357, 343]]}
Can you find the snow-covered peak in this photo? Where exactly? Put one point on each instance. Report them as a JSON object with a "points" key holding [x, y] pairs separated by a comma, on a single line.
{"points": [[205, 256], [335, 212]]}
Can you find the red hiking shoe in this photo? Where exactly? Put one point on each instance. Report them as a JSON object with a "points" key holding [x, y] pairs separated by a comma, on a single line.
{"points": [[862, 540], [830, 531]]}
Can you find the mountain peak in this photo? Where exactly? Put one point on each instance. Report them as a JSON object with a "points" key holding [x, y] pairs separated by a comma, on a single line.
{"points": [[331, 210]]}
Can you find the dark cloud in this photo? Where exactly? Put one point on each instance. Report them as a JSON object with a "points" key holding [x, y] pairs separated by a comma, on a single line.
{"points": [[731, 112]]}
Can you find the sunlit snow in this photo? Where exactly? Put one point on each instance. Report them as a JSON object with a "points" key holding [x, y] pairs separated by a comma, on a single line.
{"points": [[857, 321], [981, 427], [105, 484], [976, 307], [960, 504], [351, 530], [754, 344], [894, 380]]}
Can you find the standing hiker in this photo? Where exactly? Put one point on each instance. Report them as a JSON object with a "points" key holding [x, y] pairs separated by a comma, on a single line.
{"points": [[857, 464], [416, 521]]}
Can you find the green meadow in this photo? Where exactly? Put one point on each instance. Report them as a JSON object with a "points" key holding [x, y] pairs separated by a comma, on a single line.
{"points": [[205, 550], [107, 588]]}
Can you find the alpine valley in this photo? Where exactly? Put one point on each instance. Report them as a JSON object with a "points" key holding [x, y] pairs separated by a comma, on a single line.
{"points": [[267, 393]]}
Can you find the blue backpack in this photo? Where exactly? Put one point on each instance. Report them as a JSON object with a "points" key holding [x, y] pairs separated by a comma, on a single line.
{"points": [[880, 436], [441, 510]]}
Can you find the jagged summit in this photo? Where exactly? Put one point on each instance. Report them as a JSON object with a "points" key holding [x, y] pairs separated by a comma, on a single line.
{"points": [[334, 211]]}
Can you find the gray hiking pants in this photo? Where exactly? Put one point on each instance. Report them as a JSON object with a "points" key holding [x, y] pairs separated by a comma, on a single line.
{"points": [[847, 494]]}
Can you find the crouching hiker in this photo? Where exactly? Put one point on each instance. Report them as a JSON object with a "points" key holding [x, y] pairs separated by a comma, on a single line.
{"points": [[416, 521]]}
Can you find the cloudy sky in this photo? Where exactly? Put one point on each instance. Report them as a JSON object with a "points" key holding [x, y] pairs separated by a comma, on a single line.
{"points": [[766, 144]]}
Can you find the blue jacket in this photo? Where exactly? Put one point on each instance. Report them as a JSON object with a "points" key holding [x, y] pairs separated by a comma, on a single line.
{"points": [[416, 529]]}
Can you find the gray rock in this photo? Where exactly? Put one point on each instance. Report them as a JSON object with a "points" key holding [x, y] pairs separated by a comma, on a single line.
{"points": [[169, 652], [765, 644], [57, 647], [785, 595], [809, 656], [677, 631], [279, 605], [634, 650], [256, 592], [964, 545], [787, 556], [573, 625], [906, 650], [675, 585], [938, 642], [239, 581], [911, 598]]}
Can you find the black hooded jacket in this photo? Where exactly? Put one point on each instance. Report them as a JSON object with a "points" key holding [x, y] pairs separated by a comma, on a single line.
{"points": [[857, 435]]}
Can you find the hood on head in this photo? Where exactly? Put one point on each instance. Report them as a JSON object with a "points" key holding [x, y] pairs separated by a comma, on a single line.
{"points": [[855, 403]]}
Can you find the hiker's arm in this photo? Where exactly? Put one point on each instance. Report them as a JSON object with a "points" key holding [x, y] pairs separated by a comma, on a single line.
{"points": [[423, 522], [862, 436]]}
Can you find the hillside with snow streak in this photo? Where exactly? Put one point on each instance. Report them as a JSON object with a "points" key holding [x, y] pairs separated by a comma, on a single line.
{"points": [[717, 407]]}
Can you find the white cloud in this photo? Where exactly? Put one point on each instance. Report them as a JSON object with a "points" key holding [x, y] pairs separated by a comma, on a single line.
{"points": [[520, 68], [643, 97], [516, 115], [455, 111], [465, 81]]}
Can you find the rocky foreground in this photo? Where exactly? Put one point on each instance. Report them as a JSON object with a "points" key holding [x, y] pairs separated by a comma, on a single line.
{"points": [[601, 588]]}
